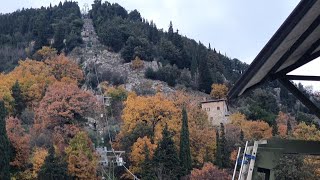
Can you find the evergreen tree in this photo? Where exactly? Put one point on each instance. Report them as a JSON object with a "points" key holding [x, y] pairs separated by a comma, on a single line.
{"points": [[185, 154], [19, 103], [205, 79], [4, 145], [166, 159], [218, 158], [275, 128], [147, 166], [53, 168], [222, 154], [225, 155], [59, 37], [289, 128], [170, 31]]}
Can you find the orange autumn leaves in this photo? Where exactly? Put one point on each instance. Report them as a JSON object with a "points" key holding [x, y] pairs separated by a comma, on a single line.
{"points": [[253, 130], [35, 77], [63, 103], [158, 110]]}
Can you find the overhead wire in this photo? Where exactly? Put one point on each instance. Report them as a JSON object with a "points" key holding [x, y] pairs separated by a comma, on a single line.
{"points": [[107, 121]]}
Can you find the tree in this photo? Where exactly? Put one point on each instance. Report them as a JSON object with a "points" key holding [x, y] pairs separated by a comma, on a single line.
{"points": [[138, 153], [147, 172], [64, 103], [63, 67], [19, 103], [222, 142], [38, 158], [47, 52], [82, 161], [185, 154], [292, 167], [170, 31], [166, 159], [218, 158], [219, 91], [209, 171], [134, 16], [53, 168], [137, 63], [20, 141], [4, 145], [275, 130], [152, 111], [289, 128], [59, 37], [252, 130]]}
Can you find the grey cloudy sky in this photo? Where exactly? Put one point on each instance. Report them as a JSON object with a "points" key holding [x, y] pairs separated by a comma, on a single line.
{"points": [[238, 28]]}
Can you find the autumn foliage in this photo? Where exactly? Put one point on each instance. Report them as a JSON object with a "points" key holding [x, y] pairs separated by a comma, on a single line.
{"points": [[154, 111], [20, 141], [38, 158], [137, 155], [137, 63], [64, 103], [255, 130], [82, 161], [219, 91], [209, 171]]}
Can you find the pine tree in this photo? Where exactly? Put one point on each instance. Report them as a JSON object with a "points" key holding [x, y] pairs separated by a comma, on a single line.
{"points": [[147, 166], [218, 159], [275, 128], [225, 155], [4, 145], [205, 79], [185, 153], [19, 103], [166, 159], [289, 128], [59, 35], [53, 168], [170, 31], [222, 154]]}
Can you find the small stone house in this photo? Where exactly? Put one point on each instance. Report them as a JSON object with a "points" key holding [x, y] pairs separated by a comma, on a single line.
{"points": [[217, 110]]}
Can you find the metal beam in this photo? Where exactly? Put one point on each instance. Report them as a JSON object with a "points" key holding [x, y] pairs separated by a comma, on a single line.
{"points": [[304, 59], [296, 44], [303, 78], [298, 94], [293, 19]]}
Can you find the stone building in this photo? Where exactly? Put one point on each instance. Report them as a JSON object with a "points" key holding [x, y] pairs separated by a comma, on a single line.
{"points": [[217, 110]]}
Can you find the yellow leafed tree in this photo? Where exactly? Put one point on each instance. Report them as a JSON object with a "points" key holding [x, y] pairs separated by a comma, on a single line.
{"points": [[137, 155], [154, 111], [38, 158], [219, 91]]}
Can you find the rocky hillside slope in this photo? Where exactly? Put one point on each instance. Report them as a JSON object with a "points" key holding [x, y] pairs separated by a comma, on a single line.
{"points": [[95, 56]]}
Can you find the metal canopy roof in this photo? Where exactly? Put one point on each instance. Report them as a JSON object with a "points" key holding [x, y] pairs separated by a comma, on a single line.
{"points": [[294, 44]]}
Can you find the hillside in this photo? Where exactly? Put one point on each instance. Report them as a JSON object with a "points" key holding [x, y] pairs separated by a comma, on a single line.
{"points": [[109, 95]]}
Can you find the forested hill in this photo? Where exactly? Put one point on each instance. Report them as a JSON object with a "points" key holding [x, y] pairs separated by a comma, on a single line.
{"points": [[132, 36], [25, 31], [183, 61]]}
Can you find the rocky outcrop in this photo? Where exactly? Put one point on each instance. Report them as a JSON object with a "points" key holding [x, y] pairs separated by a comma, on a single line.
{"points": [[92, 52]]}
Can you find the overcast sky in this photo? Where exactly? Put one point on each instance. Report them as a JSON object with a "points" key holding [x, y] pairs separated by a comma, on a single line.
{"points": [[238, 28]]}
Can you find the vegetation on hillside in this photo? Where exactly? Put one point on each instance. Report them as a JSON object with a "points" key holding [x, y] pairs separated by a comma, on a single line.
{"points": [[133, 36], [25, 31]]}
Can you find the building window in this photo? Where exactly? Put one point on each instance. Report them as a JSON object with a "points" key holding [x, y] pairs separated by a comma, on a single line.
{"points": [[218, 108], [211, 119]]}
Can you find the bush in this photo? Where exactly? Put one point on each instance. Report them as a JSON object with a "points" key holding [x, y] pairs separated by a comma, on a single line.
{"points": [[144, 89], [150, 74], [137, 63]]}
